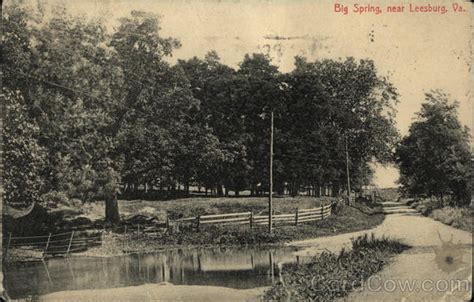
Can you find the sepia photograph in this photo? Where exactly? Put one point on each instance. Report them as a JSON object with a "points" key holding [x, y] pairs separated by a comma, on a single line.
{"points": [[236, 150]]}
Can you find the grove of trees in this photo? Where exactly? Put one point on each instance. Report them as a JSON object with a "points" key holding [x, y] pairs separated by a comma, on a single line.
{"points": [[434, 158], [94, 112]]}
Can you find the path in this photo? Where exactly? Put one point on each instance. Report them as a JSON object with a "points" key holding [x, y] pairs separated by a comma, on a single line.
{"points": [[420, 264], [435, 269]]}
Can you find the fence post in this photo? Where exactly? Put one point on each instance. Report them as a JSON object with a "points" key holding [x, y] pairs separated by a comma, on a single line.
{"points": [[167, 221], [322, 213], [251, 220], [8, 244], [198, 222], [138, 232], [296, 216], [125, 231], [47, 245], [70, 242]]}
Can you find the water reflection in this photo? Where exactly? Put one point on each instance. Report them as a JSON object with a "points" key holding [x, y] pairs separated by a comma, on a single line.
{"points": [[235, 268]]}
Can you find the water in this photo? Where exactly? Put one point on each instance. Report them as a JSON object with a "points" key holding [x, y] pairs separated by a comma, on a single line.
{"points": [[240, 268]]}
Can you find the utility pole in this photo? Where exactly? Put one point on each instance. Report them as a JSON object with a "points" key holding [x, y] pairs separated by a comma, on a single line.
{"points": [[270, 200], [347, 172]]}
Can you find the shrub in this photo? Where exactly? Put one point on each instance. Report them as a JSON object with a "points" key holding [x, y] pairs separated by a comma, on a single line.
{"points": [[457, 217], [426, 205], [313, 281]]}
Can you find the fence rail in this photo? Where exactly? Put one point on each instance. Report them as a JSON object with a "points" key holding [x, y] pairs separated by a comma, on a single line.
{"points": [[300, 215], [74, 241]]}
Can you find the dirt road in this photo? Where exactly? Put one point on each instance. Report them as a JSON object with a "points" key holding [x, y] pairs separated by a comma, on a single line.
{"points": [[438, 267]]}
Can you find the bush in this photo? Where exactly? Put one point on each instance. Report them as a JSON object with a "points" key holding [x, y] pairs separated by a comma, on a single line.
{"points": [[457, 217], [426, 206], [314, 281]]}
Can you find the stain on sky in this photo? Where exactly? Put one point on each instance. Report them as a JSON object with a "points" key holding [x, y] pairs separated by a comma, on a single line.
{"points": [[277, 50], [276, 37]]}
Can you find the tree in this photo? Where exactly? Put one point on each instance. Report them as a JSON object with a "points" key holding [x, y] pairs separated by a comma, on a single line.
{"points": [[434, 158], [331, 101], [215, 86], [24, 158]]}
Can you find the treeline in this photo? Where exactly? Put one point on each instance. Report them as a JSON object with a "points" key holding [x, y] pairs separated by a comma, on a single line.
{"points": [[92, 112]]}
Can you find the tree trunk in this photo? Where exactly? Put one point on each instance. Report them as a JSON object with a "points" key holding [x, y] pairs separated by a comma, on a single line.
{"points": [[237, 192], [220, 191], [335, 190], [186, 188], [111, 209]]}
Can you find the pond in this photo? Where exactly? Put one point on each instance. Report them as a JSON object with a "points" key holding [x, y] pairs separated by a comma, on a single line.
{"points": [[240, 268]]}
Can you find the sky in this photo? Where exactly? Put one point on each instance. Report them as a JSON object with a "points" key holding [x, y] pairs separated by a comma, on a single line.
{"points": [[418, 52]]}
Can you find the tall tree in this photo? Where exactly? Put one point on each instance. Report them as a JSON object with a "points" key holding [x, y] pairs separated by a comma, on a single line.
{"points": [[23, 157], [331, 103], [434, 158]]}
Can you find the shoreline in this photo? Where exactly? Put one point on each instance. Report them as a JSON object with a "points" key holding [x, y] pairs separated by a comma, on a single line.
{"points": [[298, 245], [114, 248], [158, 292]]}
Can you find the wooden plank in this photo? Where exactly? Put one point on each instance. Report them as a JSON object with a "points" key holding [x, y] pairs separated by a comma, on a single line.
{"points": [[309, 219], [246, 219], [226, 215], [311, 216], [234, 223], [305, 215], [327, 206]]}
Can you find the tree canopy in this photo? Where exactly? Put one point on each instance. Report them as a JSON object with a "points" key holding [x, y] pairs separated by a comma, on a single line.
{"points": [[96, 112], [434, 157]]}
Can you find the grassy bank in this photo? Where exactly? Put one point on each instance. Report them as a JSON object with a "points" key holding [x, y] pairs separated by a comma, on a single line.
{"points": [[189, 207], [457, 217], [330, 276], [345, 219], [143, 214], [460, 218]]}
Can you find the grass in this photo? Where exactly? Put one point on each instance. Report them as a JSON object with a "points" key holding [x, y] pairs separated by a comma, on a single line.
{"points": [[331, 276], [191, 207], [457, 217], [152, 213], [460, 218], [345, 219]]}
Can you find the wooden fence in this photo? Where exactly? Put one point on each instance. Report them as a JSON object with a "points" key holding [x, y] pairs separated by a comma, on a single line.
{"points": [[248, 218], [53, 244], [77, 241]]}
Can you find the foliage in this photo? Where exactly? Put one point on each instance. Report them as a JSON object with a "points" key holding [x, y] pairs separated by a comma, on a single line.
{"points": [[434, 158], [108, 114], [24, 158], [346, 220], [331, 276], [460, 218]]}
